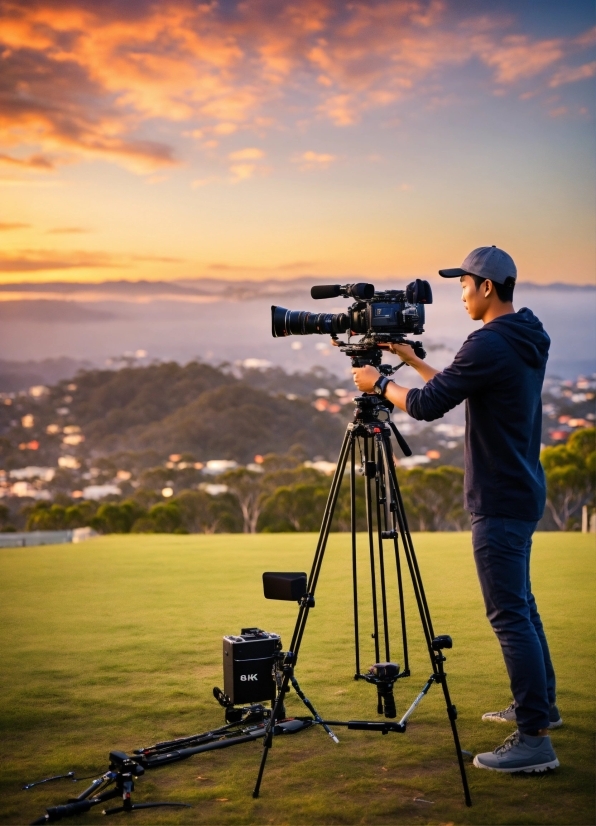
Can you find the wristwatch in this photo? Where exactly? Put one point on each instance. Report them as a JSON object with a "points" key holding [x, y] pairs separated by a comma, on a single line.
{"points": [[380, 385]]}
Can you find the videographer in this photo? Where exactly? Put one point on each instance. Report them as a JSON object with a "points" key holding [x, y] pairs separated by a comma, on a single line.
{"points": [[499, 372]]}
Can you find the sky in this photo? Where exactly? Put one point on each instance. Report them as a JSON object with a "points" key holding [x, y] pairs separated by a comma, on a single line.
{"points": [[272, 139]]}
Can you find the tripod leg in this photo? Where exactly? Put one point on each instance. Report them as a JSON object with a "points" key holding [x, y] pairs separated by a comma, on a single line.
{"points": [[391, 509], [381, 494], [354, 557], [312, 709], [269, 733], [452, 714], [371, 547]]}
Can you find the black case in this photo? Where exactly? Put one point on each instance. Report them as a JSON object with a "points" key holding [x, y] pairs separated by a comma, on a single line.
{"points": [[248, 665]]}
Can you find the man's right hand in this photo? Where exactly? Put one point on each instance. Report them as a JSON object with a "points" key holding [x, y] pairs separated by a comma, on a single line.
{"points": [[404, 351], [406, 354]]}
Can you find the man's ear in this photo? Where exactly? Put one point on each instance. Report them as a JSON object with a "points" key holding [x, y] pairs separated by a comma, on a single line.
{"points": [[488, 288]]}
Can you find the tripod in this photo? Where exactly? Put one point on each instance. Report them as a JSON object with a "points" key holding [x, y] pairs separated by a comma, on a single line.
{"points": [[386, 520]]}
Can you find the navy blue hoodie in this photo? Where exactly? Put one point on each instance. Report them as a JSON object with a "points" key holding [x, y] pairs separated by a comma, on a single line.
{"points": [[499, 372]]}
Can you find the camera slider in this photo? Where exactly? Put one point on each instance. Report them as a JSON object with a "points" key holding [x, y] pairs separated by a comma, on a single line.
{"points": [[120, 776]]}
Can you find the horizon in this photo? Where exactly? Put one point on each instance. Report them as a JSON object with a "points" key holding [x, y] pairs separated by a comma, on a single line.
{"points": [[253, 142]]}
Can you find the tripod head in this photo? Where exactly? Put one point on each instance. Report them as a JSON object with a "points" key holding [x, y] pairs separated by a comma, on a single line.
{"points": [[367, 351]]}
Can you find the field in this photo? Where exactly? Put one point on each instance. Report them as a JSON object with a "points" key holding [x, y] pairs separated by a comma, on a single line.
{"points": [[116, 643]]}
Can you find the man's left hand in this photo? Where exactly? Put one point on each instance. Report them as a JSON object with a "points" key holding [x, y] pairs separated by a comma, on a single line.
{"points": [[365, 378]]}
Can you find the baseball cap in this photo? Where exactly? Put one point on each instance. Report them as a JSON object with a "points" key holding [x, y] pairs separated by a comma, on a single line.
{"points": [[485, 262]]}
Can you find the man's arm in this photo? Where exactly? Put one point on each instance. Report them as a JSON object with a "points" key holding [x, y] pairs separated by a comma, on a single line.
{"points": [[481, 361], [365, 377]]}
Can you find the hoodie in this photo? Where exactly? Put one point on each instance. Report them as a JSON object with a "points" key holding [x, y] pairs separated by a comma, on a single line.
{"points": [[499, 373]]}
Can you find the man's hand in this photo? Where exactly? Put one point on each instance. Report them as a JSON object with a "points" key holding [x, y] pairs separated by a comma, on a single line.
{"points": [[404, 351], [409, 357], [365, 378]]}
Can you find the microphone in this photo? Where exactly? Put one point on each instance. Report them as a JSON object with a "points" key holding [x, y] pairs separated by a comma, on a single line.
{"points": [[325, 291]]}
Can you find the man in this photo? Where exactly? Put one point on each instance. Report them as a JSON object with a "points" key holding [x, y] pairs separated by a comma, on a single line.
{"points": [[499, 373]]}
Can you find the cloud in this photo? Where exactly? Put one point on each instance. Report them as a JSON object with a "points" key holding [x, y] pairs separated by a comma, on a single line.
{"points": [[242, 171], [314, 160], [571, 74], [286, 266], [67, 231], [51, 260], [32, 162], [5, 227], [100, 80], [47, 260], [249, 154], [517, 58]]}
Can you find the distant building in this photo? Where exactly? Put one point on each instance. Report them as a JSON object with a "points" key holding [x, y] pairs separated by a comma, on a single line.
{"points": [[26, 489], [46, 474], [100, 491], [217, 466]]}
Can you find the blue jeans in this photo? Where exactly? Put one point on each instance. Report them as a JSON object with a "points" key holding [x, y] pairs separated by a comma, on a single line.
{"points": [[502, 555]]}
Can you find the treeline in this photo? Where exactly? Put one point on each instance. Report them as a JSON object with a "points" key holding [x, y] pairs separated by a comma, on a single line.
{"points": [[288, 496], [288, 500]]}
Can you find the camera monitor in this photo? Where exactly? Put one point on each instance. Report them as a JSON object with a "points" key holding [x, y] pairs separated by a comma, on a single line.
{"points": [[284, 585]]}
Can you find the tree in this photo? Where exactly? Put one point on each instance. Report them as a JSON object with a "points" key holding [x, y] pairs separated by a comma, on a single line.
{"points": [[164, 517], [434, 498], [116, 517], [294, 508], [246, 486], [202, 513], [5, 519], [570, 470]]}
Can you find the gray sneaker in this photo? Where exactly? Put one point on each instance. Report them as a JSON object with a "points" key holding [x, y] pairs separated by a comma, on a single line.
{"points": [[505, 716], [519, 753], [508, 716]]}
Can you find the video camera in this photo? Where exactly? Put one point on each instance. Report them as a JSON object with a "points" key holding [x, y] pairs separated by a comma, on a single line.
{"points": [[381, 317]]}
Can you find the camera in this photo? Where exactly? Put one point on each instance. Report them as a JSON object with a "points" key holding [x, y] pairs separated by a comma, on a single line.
{"points": [[380, 316]]}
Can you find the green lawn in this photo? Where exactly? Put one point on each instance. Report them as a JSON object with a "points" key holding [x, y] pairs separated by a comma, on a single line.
{"points": [[116, 643]]}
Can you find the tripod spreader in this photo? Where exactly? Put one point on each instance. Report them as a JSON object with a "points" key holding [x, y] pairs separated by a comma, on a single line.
{"points": [[368, 725]]}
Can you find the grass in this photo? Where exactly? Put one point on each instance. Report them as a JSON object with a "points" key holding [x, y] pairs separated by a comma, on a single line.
{"points": [[116, 643]]}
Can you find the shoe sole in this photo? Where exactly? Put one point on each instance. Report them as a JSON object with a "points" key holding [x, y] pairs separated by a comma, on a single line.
{"points": [[540, 767], [486, 719]]}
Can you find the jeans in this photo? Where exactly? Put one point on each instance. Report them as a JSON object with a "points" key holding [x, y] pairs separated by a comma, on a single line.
{"points": [[502, 555]]}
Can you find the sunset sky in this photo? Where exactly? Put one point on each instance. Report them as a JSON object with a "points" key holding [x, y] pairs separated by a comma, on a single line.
{"points": [[268, 138]]}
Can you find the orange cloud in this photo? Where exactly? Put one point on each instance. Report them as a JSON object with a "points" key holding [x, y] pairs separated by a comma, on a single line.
{"points": [[32, 162], [6, 227], [248, 154], [314, 160], [49, 260]]}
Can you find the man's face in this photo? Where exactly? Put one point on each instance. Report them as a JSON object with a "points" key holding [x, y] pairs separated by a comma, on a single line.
{"points": [[475, 300]]}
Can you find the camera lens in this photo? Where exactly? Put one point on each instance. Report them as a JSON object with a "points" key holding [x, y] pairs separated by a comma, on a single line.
{"points": [[302, 323]]}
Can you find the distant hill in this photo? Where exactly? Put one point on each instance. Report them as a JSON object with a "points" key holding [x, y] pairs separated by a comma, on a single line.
{"points": [[169, 408]]}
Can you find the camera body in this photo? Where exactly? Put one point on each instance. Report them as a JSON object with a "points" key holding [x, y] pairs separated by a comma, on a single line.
{"points": [[379, 316]]}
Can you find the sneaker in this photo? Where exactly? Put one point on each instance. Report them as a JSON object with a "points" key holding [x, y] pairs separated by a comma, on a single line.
{"points": [[508, 716], [519, 753], [505, 716]]}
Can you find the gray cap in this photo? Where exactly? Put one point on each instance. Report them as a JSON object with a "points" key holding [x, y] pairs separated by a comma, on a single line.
{"points": [[485, 262]]}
